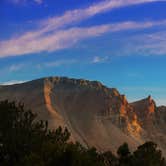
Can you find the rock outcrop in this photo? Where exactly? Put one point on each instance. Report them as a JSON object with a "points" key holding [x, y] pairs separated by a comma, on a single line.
{"points": [[95, 115]]}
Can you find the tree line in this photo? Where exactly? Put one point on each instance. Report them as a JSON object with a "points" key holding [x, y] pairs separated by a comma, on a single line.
{"points": [[26, 141]]}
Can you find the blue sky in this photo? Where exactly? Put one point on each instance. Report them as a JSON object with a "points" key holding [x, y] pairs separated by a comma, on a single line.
{"points": [[121, 43]]}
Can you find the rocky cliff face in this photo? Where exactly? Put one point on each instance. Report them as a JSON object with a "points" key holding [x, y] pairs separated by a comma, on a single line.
{"points": [[95, 115], [151, 120], [145, 112]]}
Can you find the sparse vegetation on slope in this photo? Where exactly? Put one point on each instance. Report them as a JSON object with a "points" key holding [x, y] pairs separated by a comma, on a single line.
{"points": [[26, 141]]}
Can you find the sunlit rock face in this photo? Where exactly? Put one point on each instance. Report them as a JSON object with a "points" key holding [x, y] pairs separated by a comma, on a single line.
{"points": [[145, 111], [95, 115], [152, 120]]}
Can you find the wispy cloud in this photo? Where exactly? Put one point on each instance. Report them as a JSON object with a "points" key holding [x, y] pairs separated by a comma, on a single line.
{"points": [[152, 43], [15, 67], [25, 1], [12, 82], [62, 62], [17, 1], [65, 38], [100, 59], [48, 37], [82, 14], [39, 1], [69, 62]]}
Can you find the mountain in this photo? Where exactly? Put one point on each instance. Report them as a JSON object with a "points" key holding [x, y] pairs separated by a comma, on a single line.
{"points": [[94, 114]]}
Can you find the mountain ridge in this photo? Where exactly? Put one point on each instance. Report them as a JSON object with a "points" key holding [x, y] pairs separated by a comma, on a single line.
{"points": [[90, 111]]}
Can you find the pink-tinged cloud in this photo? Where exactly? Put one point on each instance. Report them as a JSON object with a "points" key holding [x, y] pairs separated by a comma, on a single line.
{"points": [[51, 24], [65, 38], [49, 37], [39, 1], [25, 1], [82, 14]]}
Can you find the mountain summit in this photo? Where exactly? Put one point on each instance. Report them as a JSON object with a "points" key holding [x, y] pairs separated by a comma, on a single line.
{"points": [[94, 114]]}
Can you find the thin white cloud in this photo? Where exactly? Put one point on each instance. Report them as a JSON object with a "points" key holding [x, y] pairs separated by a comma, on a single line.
{"points": [[65, 38], [100, 59], [145, 44], [153, 44], [62, 62], [12, 82], [15, 67], [68, 62]]}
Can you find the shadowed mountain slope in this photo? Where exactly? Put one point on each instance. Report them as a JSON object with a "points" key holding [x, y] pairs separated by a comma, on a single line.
{"points": [[95, 115]]}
